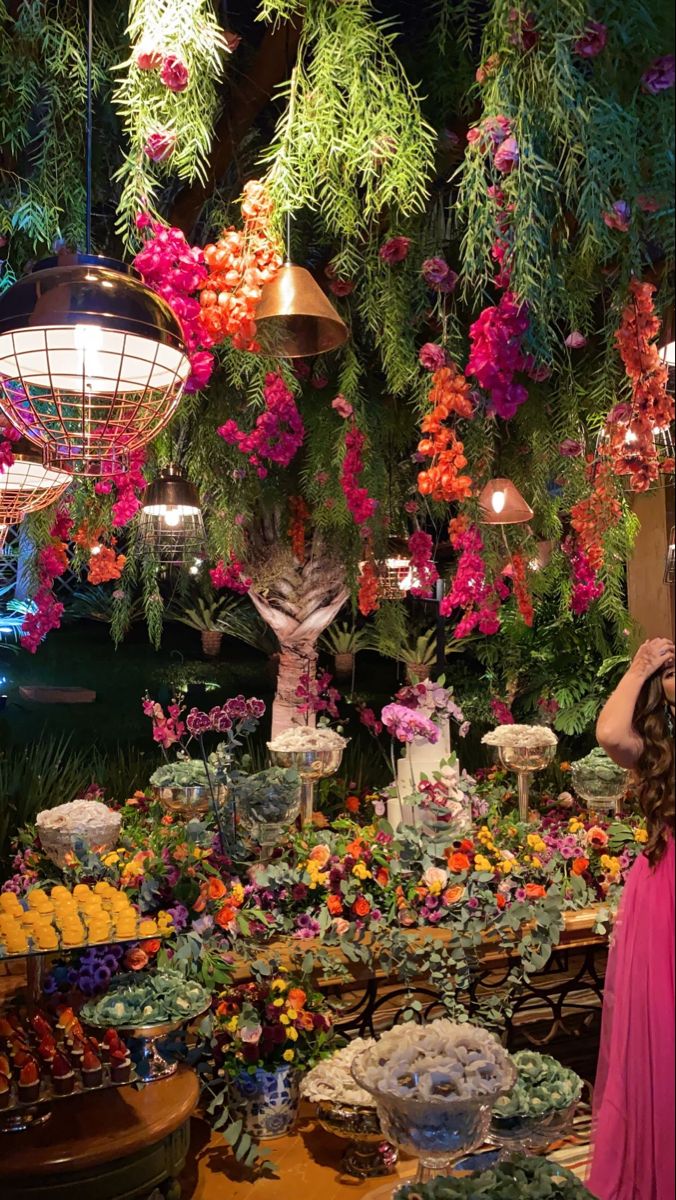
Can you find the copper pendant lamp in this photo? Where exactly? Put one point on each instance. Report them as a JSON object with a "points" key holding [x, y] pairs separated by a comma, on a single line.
{"points": [[501, 503], [295, 319], [28, 485], [92, 362], [171, 525]]}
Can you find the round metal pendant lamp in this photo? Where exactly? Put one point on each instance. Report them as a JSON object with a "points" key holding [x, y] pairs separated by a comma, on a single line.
{"points": [[92, 362], [28, 485], [170, 524]]}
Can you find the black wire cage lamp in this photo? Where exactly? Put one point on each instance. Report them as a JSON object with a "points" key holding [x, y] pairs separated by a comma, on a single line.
{"points": [[92, 362], [170, 526]]}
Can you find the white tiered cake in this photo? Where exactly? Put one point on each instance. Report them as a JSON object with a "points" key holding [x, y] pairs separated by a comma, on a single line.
{"points": [[420, 758]]}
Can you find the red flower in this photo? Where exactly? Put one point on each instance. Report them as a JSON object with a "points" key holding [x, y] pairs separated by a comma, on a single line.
{"points": [[361, 907], [174, 73], [534, 891], [160, 145], [334, 905], [395, 250], [579, 866]]}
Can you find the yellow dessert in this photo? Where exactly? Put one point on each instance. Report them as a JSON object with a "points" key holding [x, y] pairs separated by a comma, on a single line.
{"points": [[9, 903], [147, 927], [46, 939], [16, 943], [81, 889]]}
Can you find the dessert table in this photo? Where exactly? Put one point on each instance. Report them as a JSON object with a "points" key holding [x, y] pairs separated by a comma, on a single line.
{"points": [[112, 1145]]}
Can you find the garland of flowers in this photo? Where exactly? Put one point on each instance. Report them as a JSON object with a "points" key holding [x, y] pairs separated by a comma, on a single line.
{"points": [[423, 569], [240, 263], [359, 503], [176, 271], [449, 395], [278, 432], [52, 562], [168, 97], [470, 590], [632, 429], [521, 590], [127, 483], [591, 519], [496, 354], [231, 575]]}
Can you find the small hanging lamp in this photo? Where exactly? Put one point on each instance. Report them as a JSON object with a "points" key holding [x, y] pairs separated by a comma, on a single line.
{"points": [[92, 362], [27, 486], [501, 503], [170, 524], [295, 319]]}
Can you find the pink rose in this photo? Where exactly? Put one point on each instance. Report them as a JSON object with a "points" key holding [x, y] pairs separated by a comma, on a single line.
{"points": [[437, 273], [575, 340], [619, 216], [174, 73], [593, 40], [432, 357], [147, 57], [340, 925], [507, 155], [435, 878], [395, 250], [160, 145], [342, 407], [659, 75]]}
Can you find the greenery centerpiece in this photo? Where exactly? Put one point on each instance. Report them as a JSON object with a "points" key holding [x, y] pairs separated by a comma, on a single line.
{"points": [[541, 1105], [520, 1179], [267, 803]]}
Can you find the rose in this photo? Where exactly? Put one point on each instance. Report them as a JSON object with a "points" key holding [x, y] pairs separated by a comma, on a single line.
{"points": [[458, 862], [579, 866], [361, 907], [619, 217], [320, 854], [453, 894], [534, 891], [593, 40], [216, 888], [160, 145], [342, 406], [334, 905], [507, 156], [394, 250], [435, 879], [659, 75], [341, 287], [135, 959], [437, 273], [340, 925], [575, 340], [147, 57], [432, 356], [174, 73]]}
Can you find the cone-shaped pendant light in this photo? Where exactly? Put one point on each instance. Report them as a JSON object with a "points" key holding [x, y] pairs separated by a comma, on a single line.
{"points": [[28, 485], [501, 503], [171, 526], [295, 319]]}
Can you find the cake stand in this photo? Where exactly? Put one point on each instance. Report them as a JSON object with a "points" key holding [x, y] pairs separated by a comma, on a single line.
{"points": [[311, 765], [525, 761], [149, 1063]]}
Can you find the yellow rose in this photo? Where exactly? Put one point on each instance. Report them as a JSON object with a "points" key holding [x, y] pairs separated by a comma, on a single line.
{"points": [[292, 1034], [536, 843], [641, 835], [289, 1055], [237, 893]]}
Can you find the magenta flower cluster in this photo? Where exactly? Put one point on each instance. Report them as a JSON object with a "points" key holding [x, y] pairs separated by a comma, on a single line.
{"points": [[230, 575], [8, 435], [175, 270], [173, 72], [496, 354], [432, 356], [127, 483], [471, 590], [317, 695], [52, 562], [587, 587], [494, 135], [359, 503], [278, 432], [423, 569], [438, 275], [405, 724], [592, 41], [169, 728]]}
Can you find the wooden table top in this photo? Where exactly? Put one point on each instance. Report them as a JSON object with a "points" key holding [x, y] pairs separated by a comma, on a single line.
{"points": [[89, 1130]]}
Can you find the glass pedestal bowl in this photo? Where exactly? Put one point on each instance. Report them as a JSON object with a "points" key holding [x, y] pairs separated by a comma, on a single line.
{"points": [[530, 1134], [190, 801], [265, 826], [311, 765], [525, 761], [436, 1131], [368, 1154], [600, 793]]}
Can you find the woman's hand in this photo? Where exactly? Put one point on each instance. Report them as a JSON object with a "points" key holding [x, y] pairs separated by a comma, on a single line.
{"points": [[652, 656]]}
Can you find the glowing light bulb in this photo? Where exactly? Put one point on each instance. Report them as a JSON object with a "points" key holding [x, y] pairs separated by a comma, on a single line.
{"points": [[172, 517], [95, 549], [630, 436], [498, 501], [89, 341]]}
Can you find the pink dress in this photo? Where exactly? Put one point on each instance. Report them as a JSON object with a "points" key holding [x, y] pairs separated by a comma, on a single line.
{"points": [[634, 1096]]}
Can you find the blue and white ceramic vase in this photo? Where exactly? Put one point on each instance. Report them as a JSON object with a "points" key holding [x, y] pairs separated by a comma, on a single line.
{"points": [[269, 1101]]}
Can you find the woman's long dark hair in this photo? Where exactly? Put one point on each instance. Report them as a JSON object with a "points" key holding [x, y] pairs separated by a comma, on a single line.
{"points": [[655, 767]]}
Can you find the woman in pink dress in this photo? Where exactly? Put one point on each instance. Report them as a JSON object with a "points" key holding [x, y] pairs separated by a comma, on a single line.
{"points": [[634, 1097]]}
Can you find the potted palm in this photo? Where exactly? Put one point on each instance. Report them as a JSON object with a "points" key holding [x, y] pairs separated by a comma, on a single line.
{"points": [[207, 615], [343, 643], [417, 653]]}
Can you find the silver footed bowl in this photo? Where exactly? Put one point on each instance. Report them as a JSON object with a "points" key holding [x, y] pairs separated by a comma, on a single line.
{"points": [[532, 1132], [310, 764], [368, 1154], [527, 758]]}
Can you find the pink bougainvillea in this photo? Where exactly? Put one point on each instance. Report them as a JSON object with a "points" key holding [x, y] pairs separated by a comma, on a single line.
{"points": [[8, 436], [423, 570], [230, 575], [359, 503], [496, 354], [277, 434], [127, 484], [470, 589], [52, 562]]}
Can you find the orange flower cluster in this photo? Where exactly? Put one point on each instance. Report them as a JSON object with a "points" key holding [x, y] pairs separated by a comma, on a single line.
{"points": [[369, 587], [240, 263], [521, 592], [592, 517], [299, 517], [632, 446], [449, 396], [104, 564]]}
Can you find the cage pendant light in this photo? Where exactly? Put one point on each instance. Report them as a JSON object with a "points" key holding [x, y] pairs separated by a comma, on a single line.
{"points": [[170, 524], [92, 363], [27, 486]]}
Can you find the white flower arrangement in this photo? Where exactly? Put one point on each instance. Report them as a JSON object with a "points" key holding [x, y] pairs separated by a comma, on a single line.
{"points": [[331, 1080], [303, 737], [520, 737]]}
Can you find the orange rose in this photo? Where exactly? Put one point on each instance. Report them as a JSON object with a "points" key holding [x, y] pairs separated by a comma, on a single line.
{"points": [[382, 876], [353, 804], [152, 945], [334, 905], [534, 891], [135, 959], [400, 898], [361, 907], [500, 900], [579, 866], [458, 862], [354, 848], [307, 1021], [453, 894], [225, 916], [216, 888], [201, 901], [320, 854], [297, 999]]}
